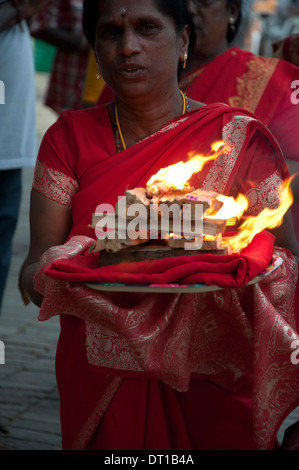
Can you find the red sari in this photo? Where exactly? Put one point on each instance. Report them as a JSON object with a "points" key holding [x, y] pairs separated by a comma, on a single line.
{"points": [[166, 371]]}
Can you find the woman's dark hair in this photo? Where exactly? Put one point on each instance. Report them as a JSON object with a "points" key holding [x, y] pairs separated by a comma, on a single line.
{"points": [[176, 9], [236, 36], [231, 33]]}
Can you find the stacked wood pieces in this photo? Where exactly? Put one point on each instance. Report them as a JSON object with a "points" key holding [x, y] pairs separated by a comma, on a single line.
{"points": [[165, 225]]}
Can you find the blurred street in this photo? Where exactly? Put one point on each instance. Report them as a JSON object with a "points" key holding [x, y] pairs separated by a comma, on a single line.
{"points": [[29, 403]]}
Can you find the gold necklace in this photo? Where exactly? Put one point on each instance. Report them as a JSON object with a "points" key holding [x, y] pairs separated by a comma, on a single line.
{"points": [[119, 131]]}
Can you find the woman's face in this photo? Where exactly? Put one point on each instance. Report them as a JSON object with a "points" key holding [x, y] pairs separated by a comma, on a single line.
{"points": [[211, 20], [138, 48]]}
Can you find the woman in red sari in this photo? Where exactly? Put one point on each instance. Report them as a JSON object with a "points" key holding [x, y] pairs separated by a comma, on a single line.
{"points": [[160, 371]]}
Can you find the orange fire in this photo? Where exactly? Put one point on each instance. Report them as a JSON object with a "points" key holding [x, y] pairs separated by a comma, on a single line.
{"points": [[266, 219], [177, 175], [231, 208]]}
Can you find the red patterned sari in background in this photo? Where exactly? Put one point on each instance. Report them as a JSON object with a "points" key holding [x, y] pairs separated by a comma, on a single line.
{"points": [[166, 371]]}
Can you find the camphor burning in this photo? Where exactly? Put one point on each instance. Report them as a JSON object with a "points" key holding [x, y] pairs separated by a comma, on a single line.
{"points": [[266, 219], [177, 176], [169, 209]]}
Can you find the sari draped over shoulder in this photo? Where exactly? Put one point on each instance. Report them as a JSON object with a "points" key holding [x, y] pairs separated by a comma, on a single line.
{"points": [[166, 371]]}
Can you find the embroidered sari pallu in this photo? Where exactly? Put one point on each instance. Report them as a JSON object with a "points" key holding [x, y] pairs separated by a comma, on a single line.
{"points": [[167, 371]]}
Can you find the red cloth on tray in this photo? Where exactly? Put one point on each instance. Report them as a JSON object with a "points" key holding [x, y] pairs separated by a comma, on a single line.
{"points": [[223, 270]]}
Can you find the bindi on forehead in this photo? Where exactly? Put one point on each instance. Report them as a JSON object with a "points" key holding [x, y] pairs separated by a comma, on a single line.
{"points": [[123, 12]]}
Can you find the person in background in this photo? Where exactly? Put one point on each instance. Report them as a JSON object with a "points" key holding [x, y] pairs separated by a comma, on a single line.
{"points": [[18, 147], [287, 9], [287, 49], [152, 370], [60, 24]]}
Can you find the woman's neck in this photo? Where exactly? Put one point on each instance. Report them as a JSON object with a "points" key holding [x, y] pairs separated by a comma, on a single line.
{"points": [[139, 120], [198, 60]]}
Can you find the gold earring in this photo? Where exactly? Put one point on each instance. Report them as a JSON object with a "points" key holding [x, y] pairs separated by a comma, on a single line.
{"points": [[232, 25], [185, 60]]}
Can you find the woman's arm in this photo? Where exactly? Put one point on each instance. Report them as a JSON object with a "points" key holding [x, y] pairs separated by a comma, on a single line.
{"points": [[14, 12], [63, 39], [50, 224]]}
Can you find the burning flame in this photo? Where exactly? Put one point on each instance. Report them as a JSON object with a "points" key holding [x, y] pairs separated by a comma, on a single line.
{"points": [[231, 207], [177, 175], [266, 219]]}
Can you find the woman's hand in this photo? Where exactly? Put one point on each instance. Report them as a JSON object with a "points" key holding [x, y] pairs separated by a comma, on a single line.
{"points": [[50, 224], [31, 7], [12, 13], [26, 284]]}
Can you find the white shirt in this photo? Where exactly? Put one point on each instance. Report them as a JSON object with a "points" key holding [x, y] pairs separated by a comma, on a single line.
{"points": [[18, 147]]}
